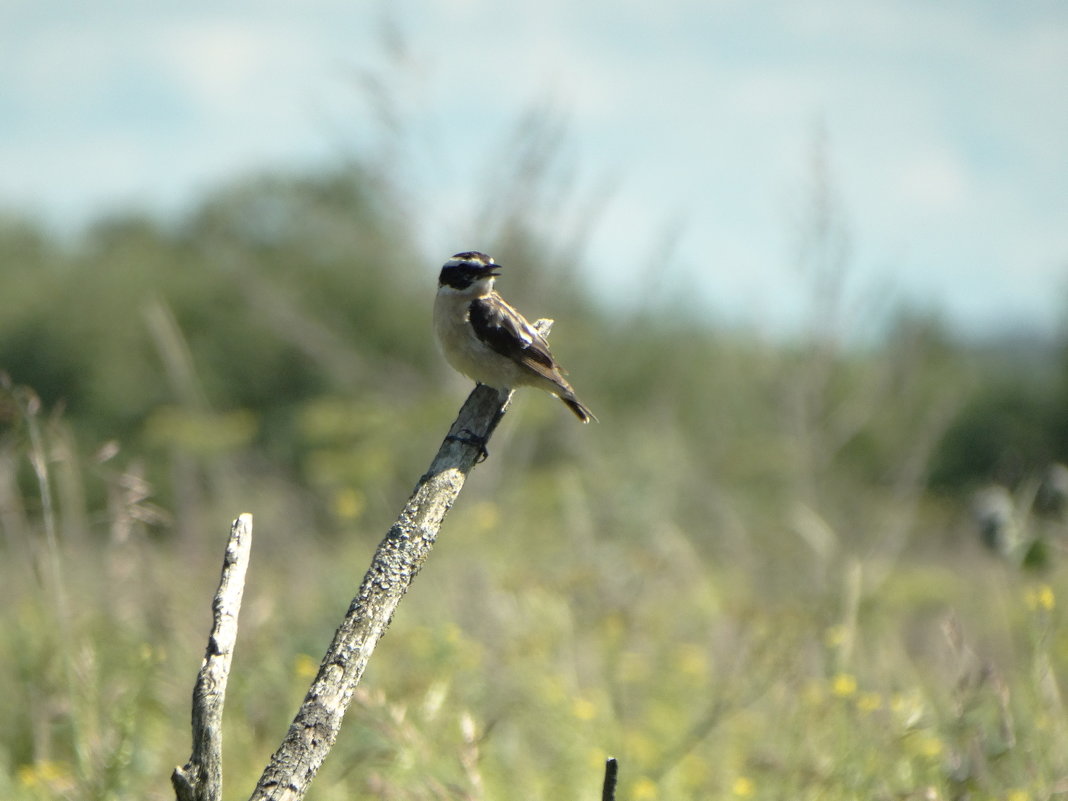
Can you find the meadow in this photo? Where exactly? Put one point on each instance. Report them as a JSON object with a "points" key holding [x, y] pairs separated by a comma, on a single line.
{"points": [[755, 578]]}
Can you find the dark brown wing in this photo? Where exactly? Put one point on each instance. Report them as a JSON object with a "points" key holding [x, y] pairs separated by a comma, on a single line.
{"points": [[507, 332]]}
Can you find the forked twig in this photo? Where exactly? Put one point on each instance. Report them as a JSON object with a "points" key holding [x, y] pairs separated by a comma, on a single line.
{"points": [[201, 777]]}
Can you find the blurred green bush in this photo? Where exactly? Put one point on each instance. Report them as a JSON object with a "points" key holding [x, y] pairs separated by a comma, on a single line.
{"points": [[288, 316]]}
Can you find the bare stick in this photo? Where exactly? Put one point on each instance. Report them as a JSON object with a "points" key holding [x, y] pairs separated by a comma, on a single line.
{"points": [[395, 563], [201, 778], [611, 770]]}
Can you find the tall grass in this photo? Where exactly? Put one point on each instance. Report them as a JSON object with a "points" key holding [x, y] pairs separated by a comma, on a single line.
{"points": [[643, 592]]}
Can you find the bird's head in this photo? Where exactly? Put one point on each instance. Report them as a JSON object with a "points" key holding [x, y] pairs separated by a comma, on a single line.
{"points": [[470, 271]]}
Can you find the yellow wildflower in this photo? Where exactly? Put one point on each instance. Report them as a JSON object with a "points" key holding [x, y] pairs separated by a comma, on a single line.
{"points": [[1040, 598], [583, 709], [305, 667], [844, 685], [644, 789], [349, 503], [691, 661], [743, 787], [869, 702]]}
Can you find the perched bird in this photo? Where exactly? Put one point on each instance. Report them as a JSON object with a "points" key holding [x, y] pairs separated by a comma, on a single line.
{"points": [[487, 340]]}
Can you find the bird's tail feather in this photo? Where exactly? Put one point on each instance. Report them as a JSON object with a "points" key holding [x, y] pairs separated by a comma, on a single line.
{"points": [[580, 410]]}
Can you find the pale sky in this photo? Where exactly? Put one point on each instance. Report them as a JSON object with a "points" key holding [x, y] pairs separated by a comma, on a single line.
{"points": [[689, 124]]}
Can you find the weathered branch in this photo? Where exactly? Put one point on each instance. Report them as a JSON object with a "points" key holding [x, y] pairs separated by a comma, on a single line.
{"points": [[395, 563], [201, 777]]}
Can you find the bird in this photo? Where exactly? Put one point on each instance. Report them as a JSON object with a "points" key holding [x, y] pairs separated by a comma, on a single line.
{"points": [[486, 339]]}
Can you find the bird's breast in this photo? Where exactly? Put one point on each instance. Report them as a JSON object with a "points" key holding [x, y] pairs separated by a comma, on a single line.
{"points": [[466, 352]]}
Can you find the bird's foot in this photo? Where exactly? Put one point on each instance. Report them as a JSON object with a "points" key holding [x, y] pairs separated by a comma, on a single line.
{"points": [[468, 437]]}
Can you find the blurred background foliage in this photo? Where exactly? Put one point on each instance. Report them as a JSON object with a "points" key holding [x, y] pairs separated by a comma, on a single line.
{"points": [[758, 576]]}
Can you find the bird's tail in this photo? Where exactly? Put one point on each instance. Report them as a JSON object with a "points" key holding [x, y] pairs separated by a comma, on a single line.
{"points": [[580, 410]]}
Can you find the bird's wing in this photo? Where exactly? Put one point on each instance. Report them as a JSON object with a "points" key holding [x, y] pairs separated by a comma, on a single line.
{"points": [[506, 331]]}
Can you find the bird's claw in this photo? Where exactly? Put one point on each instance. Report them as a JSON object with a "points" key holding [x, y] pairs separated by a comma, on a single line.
{"points": [[468, 437]]}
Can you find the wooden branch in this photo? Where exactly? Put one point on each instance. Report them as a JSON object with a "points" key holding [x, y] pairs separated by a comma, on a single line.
{"points": [[394, 566], [611, 771], [201, 777]]}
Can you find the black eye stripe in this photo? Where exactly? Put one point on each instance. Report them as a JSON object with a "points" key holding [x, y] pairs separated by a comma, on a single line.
{"points": [[459, 277]]}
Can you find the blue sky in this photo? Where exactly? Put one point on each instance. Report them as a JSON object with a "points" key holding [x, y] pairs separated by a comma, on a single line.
{"points": [[689, 125]]}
